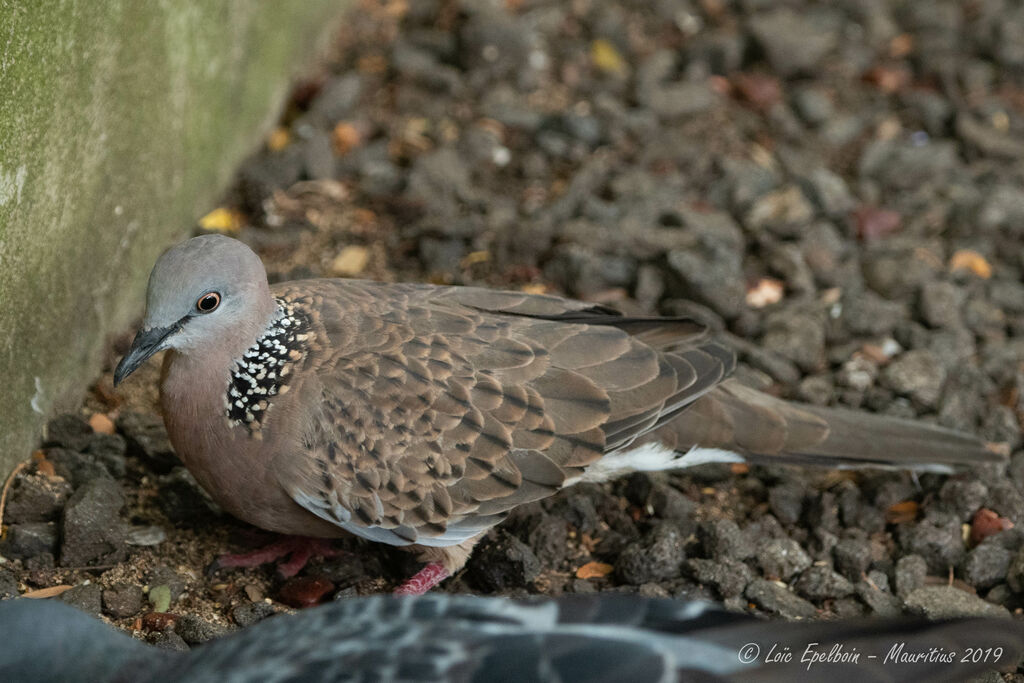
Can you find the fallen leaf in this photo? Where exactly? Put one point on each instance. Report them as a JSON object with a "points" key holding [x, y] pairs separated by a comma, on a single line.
{"points": [[968, 259], [767, 291], [987, 523], [101, 424], [475, 257], [47, 592], [594, 570], [873, 222], [902, 512], [351, 261], [345, 137], [278, 139], [606, 57], [222, 220]]}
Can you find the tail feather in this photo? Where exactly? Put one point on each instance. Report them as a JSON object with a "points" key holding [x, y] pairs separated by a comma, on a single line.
{"points": [[768, 430]]}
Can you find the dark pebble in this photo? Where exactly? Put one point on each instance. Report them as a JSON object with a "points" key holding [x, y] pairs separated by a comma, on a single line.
{"points": [[501, 562], [948, 602], [853, 557], [68, 431], [987, 565], [36, 498], [881, 602], [782, 558], [147, 440], [87, 597], [911, 571], [729, 577], [92, 530], [723, 540], [24, 541], [656, 557], [183, 501], [252, 612], [168, 640], [195, 631], [787, 502], [550, 540], [939, 543], [777, 599], [77, 468], [8, 584], [822, 583], [123, 600]]}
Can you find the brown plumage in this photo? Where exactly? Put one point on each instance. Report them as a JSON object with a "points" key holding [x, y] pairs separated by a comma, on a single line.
{"points": [[419, 416]]}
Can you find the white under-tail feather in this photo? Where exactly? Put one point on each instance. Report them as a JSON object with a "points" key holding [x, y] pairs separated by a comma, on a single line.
{"points": [[651, 457]]}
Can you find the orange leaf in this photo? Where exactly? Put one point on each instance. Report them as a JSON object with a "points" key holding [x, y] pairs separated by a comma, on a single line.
{"points": [[987, 523], [594, 570], [101, 424], [904, 511], [968, 259], [47, 592]]}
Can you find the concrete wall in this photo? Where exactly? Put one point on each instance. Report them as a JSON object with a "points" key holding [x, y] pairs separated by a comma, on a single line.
{"points": [[120, 122]]}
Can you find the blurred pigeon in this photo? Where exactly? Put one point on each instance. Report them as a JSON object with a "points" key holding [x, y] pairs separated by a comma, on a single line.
{"points": [[592, 639]]}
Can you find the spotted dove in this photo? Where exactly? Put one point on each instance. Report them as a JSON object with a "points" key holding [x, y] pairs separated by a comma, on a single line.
{"points": [[590, 639], [419, 415]]}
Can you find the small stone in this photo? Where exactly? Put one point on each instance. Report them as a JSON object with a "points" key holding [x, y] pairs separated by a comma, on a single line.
{"points": [[881, 602], [77, 468], [787, 502], [503, 562], [941, 304], [168, 640], [987, 565], [252, 612], [777, 599], [8, 584], [123, 600], [911, 571], [723, 540], [947, 602], [87, 597], [729, 577], [68, 431], [822, 583], [917, 374], [793, 42], [796, 336], [782, 558], [940, 543], [195, 631], [146, 439], [183, 501], [93, 532], [657, 557], [853, 557], [305, 591], [24, 541], [36, 498]]}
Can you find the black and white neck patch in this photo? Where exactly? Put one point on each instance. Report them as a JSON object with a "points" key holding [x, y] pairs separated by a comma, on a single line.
{"points": [[262, 371]]}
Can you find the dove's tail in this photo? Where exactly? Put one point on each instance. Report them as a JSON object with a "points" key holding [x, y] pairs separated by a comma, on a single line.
{"points": [[734, 423]]}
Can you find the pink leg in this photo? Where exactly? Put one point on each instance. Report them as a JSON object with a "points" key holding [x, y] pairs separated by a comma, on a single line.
{"points": [[298, 548], [425, 579]]}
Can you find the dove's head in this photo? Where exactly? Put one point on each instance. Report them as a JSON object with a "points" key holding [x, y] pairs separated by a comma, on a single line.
{"points": [[205, 293]]}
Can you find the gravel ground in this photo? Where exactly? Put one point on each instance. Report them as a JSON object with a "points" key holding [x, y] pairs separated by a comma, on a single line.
{"points": [[837, 186]]}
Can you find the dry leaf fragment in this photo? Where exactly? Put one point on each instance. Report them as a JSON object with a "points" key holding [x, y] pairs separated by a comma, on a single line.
{"points": [[345, 137], [987, 523], [968, 259], [594, 570], [222, 220], [101, 424], [278, 139], [902, 512], [605, 56], [47, 592], [351, 261]]}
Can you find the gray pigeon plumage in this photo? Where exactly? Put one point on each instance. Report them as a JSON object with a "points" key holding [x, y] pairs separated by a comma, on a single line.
{"points": [[462, 638]]}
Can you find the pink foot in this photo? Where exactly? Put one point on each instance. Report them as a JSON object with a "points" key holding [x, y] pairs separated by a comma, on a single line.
{"points": [[298, 548], [425, 579]]}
